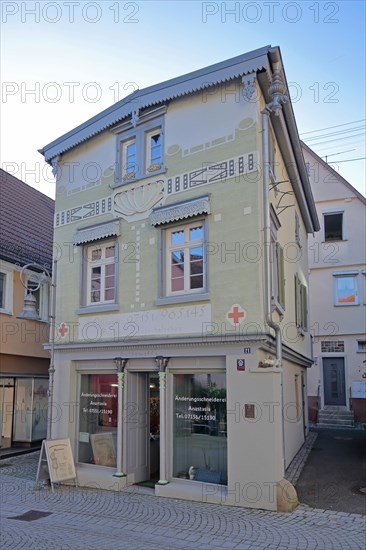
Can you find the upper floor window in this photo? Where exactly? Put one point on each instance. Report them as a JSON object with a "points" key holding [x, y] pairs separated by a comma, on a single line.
{"points": [[6, 289], [301, 305], [345, 289], [333, 226], [278, 276], [101, 273], [297, 229], [140, 149], [185, 262], [361, 346]]}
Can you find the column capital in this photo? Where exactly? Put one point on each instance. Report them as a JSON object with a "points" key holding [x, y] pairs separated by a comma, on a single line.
{"points": [[120, 363], [161, 362]]}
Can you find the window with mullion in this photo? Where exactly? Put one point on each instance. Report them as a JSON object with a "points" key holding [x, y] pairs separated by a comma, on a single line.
{"points": [[101, 274], [186, 264]]}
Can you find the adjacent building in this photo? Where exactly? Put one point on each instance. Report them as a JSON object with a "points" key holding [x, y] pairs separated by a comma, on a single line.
{"points": [[337, 262], [181, 227], [26, 227]]}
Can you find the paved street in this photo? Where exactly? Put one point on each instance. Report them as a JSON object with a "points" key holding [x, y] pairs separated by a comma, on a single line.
{"points": [[94, 519]]}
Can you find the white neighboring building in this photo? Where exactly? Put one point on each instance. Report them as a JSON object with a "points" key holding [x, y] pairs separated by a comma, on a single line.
{"points": [[337, 262]]}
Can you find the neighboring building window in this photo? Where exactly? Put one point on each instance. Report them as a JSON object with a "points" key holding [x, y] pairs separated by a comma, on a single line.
{"points": [[101, 273], [98, 419], [332, 346], [200, 427], [364, 285], [2, 289], [140, 150], [185, 260], [6, 289], [333, 226], [361, 346], [345, 289], [301, 305]]}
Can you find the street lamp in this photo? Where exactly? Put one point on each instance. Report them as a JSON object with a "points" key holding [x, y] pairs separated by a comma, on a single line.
{"points": [[30, 312]]}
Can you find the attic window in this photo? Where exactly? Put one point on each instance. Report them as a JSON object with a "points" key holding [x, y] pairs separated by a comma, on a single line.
{"points": [[333, 226]]}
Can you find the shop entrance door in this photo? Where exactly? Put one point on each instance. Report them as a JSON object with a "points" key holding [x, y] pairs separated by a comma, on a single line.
{"points": [[6, 411], [136, 421]]}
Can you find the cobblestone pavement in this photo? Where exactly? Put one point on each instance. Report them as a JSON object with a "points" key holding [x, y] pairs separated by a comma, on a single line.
{"points": [[94, 519]]}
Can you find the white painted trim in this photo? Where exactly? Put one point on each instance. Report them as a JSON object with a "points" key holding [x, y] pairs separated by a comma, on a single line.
{"points": [[8, 271]]}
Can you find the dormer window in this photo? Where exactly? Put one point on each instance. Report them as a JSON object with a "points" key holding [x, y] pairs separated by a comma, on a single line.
{"points": [[140, 148]]}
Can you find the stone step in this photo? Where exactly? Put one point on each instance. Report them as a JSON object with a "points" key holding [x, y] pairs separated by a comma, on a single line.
{"points": [[335, 426], [340, 416], [336, 422]]}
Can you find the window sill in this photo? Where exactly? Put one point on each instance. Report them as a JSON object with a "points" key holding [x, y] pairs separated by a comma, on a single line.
{"points": [[102, 308], [346, 305], [181, 299], [138, 178], [6, 311], [335, 241]]}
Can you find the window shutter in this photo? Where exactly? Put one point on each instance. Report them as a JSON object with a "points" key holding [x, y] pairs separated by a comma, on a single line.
{"points": [[297, 301], [281, 275], [304, 307]]}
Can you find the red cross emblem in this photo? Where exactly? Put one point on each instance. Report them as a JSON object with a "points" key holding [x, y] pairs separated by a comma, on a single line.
{"points": [[63, 330], [236, 315]]}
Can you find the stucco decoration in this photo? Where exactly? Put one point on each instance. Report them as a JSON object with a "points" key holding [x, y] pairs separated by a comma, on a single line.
{"points": [[135, 203], [181, 211], [54, 163], [96, 232], [249, 87], [277, 91]]}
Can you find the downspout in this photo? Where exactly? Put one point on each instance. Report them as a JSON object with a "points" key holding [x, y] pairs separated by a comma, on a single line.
{"points": [[277, 93]]}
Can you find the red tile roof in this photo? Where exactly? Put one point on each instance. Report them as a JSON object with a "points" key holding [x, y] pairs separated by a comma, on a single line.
{"points": [[26, 222]]}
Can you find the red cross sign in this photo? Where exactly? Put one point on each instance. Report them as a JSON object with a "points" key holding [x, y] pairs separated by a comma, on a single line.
{"points": [[63, 330], [236, 315]]}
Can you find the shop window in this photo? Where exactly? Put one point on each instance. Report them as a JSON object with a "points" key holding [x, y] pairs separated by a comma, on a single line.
{"points": [[200, 428], [98, 419], [333, 226], [345, 289]]}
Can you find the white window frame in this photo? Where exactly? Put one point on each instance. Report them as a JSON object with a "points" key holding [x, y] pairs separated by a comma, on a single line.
{"points": [[364, 285], [278, 277], [361, 342], [146, 125], [186, 246], [340, 275], [103, 262], [330, 213], [151, 166], [301, 306], [8, 271]]}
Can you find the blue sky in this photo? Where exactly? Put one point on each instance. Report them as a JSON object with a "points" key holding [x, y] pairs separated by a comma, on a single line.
{"points": [[63, 62]]}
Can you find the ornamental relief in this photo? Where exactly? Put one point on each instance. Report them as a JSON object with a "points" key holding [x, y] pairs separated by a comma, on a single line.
{"points": [[136, 203]]}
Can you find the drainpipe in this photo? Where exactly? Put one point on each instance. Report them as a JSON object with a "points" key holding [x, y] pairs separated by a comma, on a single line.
{"points": [[277, 94], [51, 370]]}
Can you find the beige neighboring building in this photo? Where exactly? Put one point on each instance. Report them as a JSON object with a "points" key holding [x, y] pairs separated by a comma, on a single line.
{"points": [[337, 262], [26, 233]]}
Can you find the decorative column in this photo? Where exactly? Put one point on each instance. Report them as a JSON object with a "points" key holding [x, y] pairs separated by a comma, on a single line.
{"points": [[120, 365], [162, 363]]}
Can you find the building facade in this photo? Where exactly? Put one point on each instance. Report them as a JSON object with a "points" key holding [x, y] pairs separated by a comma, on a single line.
{"points": [[182, 287], [26, 228], [337, 262]]}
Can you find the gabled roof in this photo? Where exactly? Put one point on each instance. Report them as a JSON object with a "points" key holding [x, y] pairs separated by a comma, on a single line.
{"points": [[26, 223], [340, 178], [153, 95], [259, 61]]}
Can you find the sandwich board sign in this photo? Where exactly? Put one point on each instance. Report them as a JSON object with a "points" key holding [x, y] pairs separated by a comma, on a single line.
{"points": [[56, 462]]}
